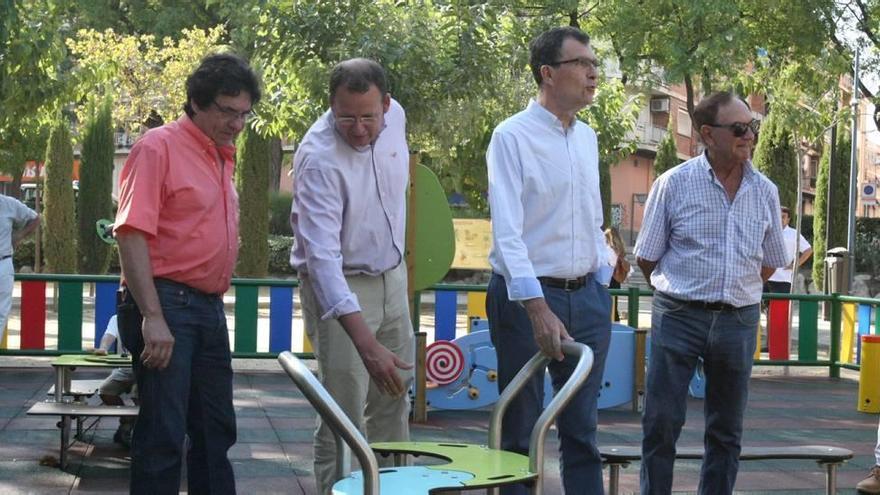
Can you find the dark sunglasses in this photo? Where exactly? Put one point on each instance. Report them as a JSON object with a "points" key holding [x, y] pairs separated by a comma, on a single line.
{"points": [[739, 129]]}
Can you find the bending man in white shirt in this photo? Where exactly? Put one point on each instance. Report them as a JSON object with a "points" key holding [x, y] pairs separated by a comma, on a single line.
{"points": [[548, 246], [348, 218]]}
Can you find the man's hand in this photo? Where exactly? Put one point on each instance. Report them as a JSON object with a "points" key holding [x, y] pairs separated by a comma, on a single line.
{"points": [[382, 365], [158, 343], [549, 331], [99, 352]]}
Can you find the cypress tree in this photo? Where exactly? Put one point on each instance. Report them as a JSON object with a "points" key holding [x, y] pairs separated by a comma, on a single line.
{"points": [[667, 152], [775, 157], [837, 231], [59, 233], [95, 185], [252, 182]]}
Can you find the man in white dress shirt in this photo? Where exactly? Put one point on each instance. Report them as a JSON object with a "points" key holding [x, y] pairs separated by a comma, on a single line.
{"points": [[348, 218], [780, 281], [548, 254]]}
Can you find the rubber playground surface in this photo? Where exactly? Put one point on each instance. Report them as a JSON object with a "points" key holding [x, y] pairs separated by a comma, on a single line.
{"points": [[275, 423]]}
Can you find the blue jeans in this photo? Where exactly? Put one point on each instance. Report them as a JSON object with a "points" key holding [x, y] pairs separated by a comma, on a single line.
{"points": [[726, 341], [192, 396], [586, 314]]}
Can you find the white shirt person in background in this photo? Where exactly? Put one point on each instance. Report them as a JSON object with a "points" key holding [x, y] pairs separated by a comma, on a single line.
{"points": [[780, 281]]}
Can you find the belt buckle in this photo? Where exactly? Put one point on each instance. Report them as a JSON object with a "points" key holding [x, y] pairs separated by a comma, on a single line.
{"points": [[571, 284]]}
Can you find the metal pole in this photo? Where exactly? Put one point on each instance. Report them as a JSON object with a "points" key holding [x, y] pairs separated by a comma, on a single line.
{"points": [[853, 172], [799, 211]]}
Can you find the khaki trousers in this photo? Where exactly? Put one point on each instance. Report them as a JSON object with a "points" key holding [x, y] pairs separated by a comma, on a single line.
{"points": [[379, 417]]}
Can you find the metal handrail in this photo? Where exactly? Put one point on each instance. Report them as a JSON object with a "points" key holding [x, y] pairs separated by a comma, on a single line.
{"points": [[538, 363], [336, 419]]}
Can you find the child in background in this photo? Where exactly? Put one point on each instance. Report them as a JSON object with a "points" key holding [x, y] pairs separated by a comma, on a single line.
{"points": [[120, 381], [617, 259]]}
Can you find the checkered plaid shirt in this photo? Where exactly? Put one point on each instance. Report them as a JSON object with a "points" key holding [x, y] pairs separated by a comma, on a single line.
{"points": [[707, 247]]}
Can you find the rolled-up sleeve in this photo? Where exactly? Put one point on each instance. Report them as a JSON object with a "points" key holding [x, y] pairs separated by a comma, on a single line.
{"points": [[505, 190], [318, 228]]}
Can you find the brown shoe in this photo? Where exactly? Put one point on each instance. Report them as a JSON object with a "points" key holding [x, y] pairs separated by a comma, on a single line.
{"points": [[871, 484]]}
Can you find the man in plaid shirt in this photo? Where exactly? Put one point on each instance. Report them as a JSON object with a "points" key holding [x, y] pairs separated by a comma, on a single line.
{"points": [[711, 236]]}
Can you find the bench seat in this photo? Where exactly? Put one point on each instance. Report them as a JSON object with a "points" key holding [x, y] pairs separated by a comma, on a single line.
{"points": [[77, 410], [827, 456], [80, 388]]}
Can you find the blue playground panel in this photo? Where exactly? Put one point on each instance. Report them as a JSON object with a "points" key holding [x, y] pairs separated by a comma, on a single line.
{"points": [[408, 479], [477, 386]]}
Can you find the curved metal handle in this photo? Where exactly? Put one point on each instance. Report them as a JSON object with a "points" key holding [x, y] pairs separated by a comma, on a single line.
{"points": [[335, 418], [538, 363]]}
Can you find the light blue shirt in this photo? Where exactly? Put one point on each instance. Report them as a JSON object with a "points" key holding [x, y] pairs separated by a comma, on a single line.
{"points": [[545, 202], [14, 215], [707, 247], [349, 208]]}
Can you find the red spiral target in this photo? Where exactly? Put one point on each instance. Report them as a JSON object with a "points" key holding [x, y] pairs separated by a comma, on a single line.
{"points": [[444, 362]]}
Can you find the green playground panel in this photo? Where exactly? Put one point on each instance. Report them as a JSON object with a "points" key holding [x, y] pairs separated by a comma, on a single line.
{"points": [[489, 467], [434, 234], [808, 331]]}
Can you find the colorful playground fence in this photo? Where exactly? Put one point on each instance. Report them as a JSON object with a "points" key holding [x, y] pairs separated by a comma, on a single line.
{"points": [[851, 317]]}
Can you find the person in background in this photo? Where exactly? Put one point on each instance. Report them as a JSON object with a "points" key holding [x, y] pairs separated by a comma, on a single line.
{"points": [[120, 381], [780, 281], [617, 261], [17, 221]]}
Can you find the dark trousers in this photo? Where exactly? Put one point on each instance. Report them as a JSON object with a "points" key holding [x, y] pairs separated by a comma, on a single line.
{"points": [[680, 334], [585, 314], [192, 396]]}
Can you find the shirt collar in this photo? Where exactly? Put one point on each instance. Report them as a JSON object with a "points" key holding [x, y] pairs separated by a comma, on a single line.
{"points": [[227, 151], [541, 114], [748, 170]]}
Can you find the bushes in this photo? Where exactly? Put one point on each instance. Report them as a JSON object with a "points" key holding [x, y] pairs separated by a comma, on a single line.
{"points": [[279, 255], [279, 213], [252, 181]]}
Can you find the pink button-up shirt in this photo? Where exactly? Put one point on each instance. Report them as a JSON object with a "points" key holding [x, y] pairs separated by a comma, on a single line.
{"points": [[173, 190]]}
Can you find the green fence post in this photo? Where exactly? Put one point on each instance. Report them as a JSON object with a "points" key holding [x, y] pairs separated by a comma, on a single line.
{"points": [[834, 348], [632, 307], [70, 312], [247, 300]]}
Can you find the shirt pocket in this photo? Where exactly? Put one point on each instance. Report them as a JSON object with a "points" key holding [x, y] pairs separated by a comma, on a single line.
{"points": [[749, 237]]}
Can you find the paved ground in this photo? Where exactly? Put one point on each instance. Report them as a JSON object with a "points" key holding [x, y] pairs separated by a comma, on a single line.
{"points": [[273, 453]]}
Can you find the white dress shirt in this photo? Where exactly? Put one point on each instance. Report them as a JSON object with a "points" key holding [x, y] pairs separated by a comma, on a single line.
{"points": [[545, 202], [349, 208], [707, 247], [790, 236]]}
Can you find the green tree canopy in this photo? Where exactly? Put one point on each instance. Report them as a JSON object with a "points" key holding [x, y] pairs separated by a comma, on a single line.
{"points": [[667, 152], [59, 231], [252, 181], [836, 230], [775, 157], [95, 186]]}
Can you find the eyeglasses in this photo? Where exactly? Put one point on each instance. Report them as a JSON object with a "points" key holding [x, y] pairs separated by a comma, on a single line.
{"points": [[350, 121], [586, 63], [233, 114], [739, 129]]}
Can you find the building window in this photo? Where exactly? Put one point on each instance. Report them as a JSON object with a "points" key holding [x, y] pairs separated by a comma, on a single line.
{"points": [[683, 123]]}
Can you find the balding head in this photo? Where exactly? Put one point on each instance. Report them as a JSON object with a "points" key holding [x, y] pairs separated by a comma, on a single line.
{"points": [[357, 75]]}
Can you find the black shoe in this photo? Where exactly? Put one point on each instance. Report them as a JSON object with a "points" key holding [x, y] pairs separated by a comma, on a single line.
{"points": [[123, 437]]}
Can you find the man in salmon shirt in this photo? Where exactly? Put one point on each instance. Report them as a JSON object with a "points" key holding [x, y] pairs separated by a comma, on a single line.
{"points": [[177, 229]]}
